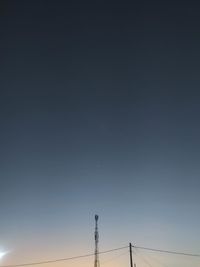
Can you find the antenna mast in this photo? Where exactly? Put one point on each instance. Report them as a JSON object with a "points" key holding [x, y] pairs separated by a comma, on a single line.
{"points": [[96, 237]]}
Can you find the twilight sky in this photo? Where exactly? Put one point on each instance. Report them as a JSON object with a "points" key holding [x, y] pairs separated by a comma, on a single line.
{"points": [[99, 113]]}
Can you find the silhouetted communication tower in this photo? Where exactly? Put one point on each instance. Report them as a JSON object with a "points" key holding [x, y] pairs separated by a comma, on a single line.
{"points": [[96, 237]]}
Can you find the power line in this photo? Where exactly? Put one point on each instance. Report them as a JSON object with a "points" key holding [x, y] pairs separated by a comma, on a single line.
{"points": [[102, 252], [138, 252], [169, 251], [114, 258], [63, 259], [145, 261]]}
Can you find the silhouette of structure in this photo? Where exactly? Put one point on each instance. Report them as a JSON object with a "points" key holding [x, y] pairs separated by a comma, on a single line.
{"points": [[96, 237]]}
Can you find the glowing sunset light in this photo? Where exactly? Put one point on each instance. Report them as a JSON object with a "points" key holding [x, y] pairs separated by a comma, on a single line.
{"points": [[2, 254]]}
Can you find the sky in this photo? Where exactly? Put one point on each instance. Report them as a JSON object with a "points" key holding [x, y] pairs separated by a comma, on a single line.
{"points": [[99, 114]]}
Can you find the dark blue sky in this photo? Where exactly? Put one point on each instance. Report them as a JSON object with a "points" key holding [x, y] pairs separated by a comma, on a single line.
{"points": [[99, 112]]}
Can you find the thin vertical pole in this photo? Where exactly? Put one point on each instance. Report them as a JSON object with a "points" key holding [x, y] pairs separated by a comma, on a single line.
{"points": [[96, 237], [131, 257]]}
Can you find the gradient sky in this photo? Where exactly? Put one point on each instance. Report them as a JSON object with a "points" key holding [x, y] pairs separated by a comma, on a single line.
{"points": [[99, 113]]}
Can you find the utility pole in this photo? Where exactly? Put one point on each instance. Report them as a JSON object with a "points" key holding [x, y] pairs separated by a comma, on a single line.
{"points": [[131, 256], [96, 237]]}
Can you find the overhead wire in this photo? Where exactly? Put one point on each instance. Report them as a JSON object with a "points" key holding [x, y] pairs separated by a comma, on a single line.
{"points": [[63, 259], [168, 251], [149, 256], [114, 258], [102, 252], [143, 259]]}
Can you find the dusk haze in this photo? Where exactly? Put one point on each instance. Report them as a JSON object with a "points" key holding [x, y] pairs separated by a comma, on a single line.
{"points": [[100, 133]]}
